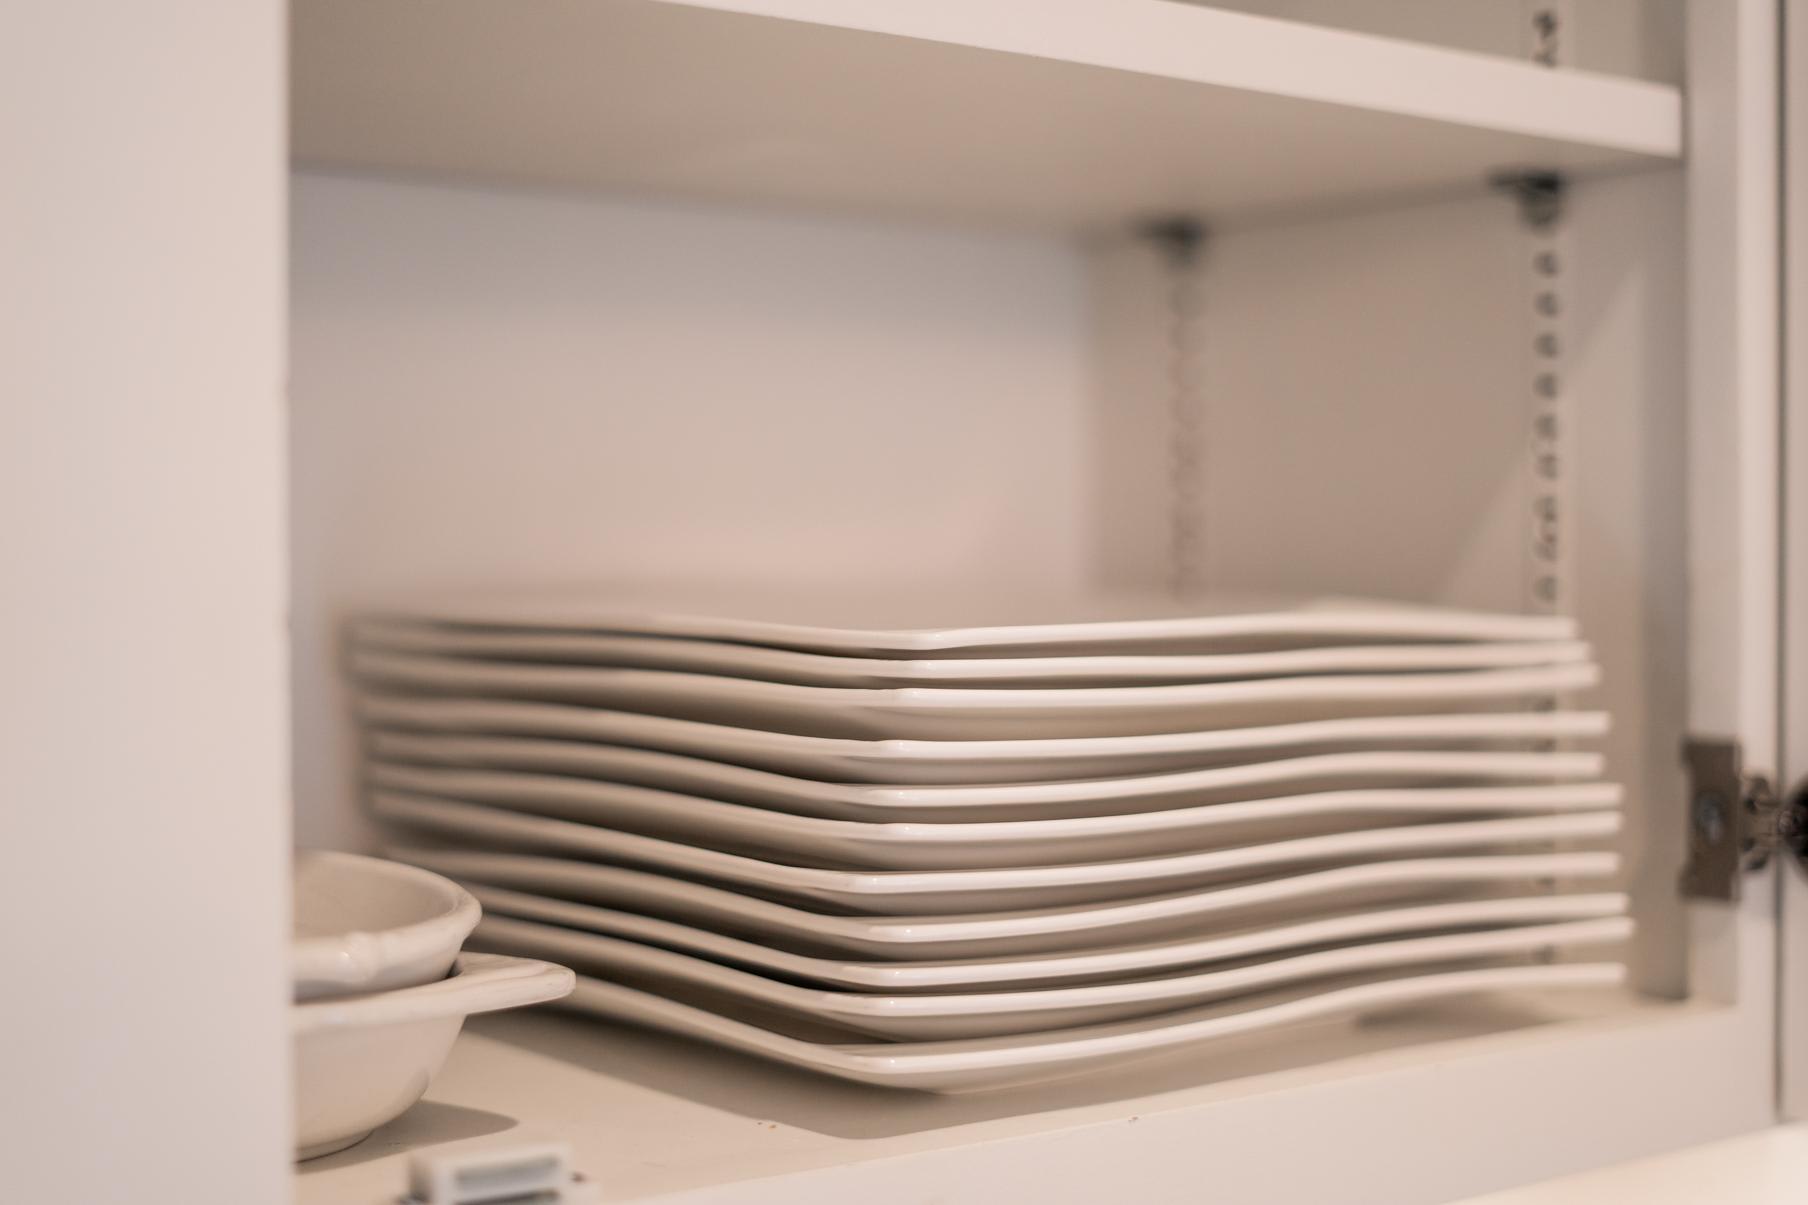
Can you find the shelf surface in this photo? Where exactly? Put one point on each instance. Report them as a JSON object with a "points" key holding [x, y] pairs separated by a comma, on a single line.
{"points": [[1082, 114], [1765, 1168], [651, 1117]]}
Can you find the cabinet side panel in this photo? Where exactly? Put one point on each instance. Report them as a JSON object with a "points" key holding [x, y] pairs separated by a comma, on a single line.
{"points": [[143, 755]]}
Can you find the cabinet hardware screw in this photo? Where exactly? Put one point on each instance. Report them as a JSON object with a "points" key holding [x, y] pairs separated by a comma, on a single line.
{"points": [[1709, 816]]}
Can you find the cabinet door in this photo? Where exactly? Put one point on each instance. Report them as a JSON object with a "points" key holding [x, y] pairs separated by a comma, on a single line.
{"points": [[1793, 963], [143, 811]]}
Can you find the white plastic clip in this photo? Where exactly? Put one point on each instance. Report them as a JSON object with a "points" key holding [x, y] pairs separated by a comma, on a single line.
{"points": [[512, 1174]]}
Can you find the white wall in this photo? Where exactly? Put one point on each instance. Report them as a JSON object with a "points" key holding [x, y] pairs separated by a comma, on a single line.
{"points": [[505, 387], [143, 706]]}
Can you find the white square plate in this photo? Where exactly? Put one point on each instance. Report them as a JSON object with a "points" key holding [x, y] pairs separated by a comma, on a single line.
{"points": [[928, 621], [981, 1014], [943, 891], [962, 762], [962, 803], [820, 669], [862, 845], [1113, 962], [981, 1064], [1310, 895], [972, 713]]}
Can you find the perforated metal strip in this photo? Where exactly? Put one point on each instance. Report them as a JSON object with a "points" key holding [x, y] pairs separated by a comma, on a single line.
{"points": [[1550, 578], [1550, 545], [1182, 242]]}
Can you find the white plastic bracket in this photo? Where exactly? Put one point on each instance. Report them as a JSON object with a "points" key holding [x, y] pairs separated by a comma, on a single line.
{"points": [[537, 1173]]}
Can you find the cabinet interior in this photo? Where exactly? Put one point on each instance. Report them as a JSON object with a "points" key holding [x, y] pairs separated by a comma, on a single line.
{"points": [[496, 382]]}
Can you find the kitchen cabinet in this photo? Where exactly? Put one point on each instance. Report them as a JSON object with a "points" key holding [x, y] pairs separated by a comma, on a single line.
{"points": [[866, 289]]}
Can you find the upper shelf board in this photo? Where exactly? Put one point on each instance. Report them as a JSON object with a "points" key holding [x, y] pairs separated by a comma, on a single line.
{"points": [[1075, 113]]}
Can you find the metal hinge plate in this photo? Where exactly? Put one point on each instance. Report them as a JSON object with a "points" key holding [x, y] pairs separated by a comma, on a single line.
{"points": [[1737, 822]]}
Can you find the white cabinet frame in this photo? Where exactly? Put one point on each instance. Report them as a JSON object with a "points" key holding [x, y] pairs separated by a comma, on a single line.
{"points": [[165, 384], [144, 816]]}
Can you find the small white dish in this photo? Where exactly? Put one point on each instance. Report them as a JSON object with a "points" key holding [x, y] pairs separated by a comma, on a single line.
{"points": [[970, 713], [819, 669], [928, 1017], [943, 891], [1367, 769], [1020, 934], [364, 1060], [963, 762], [367, 925], [899, 624], [979, 845], [1116, 962], [983, 1064]]}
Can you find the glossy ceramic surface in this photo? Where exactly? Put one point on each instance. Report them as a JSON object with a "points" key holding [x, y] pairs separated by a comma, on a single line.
{"points": [[963, 762], [1027, 933], [364, 1060], [1111, 962], [856, 801], [818, 669], [982, 1064], [970, 713], [976, 1014], [861, 845], [898, 624], [365, 925], [944, 891]]}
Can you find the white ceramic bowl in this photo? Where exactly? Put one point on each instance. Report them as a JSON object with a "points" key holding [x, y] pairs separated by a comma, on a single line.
{"points": [[366, 925], [364, 1060]]}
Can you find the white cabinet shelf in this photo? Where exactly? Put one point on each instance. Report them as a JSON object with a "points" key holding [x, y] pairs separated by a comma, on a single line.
{"points": [[1076, 114], [1282, 1118]]}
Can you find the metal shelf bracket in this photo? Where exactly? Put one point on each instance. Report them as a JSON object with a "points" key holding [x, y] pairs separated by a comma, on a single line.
{"points": [[1540, 194]]}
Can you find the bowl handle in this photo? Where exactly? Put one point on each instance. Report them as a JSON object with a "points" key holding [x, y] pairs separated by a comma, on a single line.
{"points": [[479, 983]]}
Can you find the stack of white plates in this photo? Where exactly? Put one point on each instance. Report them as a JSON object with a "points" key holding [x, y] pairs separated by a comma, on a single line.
{"points": [[962, 857]]}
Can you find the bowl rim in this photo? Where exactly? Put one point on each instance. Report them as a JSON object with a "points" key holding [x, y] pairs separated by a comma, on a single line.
{"points": [[478, 983], [350, 960]]}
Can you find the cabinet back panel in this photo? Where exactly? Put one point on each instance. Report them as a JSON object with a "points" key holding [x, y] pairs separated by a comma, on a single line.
{"points": [[491, 387]]}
